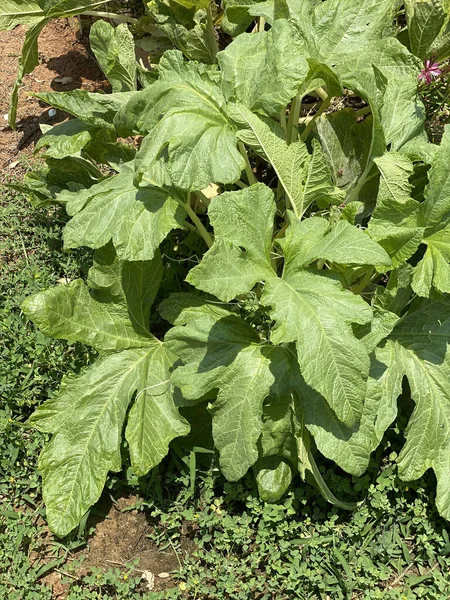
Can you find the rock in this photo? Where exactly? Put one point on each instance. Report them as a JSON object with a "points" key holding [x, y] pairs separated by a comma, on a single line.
{"points": [[63, 80], [150, 579]]}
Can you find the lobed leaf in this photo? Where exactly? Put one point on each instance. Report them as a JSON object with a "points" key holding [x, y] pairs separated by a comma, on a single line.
{"points": [[425, 20], [88, 415], [184, 115], [137, 220], [220, 351], [240, 256], [264, 70], [115, 52]]}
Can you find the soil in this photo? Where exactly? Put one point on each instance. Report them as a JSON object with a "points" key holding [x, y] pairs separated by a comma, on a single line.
{"points": [[63, 52], [119, 538]]}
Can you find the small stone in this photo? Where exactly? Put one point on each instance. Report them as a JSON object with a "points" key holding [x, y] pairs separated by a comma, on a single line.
{"points": [[164, 575], [150, 579], [6, 117], [66, 80], [13, 165], [52, 113]]}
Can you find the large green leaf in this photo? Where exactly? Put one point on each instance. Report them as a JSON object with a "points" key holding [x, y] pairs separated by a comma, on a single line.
{"points": [[64, 139], [19, 12], [221, 351], [268, 139], [425, 19], [59, 176], [154, 420], [68, 8], [318, 187], [434, 216], [440, 48], [434, 268], [314, 311], [435, 211], [346, 145], [306, 179], [264, 70], [400, 223], [394, 222], [309, 307], [115, 53], [70, 312], [137, 220], [97, 110], [194, 36], [184, 117], [343, 25], [350, 447], [315, 238], [236, 17], [402, 113], [29, 57], [418, 349], [357, 40], [240, 256], [88, 414]]}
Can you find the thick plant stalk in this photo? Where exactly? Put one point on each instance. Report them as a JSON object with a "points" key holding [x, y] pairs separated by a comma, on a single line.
{"points": [[108, 15], [322, 108], [248, 168], [197, 222], [294, 115]]}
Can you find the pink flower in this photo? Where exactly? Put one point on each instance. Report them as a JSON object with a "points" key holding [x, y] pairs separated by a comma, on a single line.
{"points": [[430, 72]]}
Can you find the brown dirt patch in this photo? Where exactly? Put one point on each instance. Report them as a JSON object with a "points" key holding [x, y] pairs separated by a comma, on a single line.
{"points": [[118, 539], [63, 52], [122, 537]]}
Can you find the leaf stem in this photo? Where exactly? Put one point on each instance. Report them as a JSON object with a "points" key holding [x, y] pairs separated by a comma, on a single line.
{"points": [[212, 34], [190, 226], [261, 23], [197, 222], [283, 119], [248, 168], [325, 104], [201, 196], [358, 289], [361, 182], [363, 111], [108, 15], [321, 93], [241, 184], [294, 115]]}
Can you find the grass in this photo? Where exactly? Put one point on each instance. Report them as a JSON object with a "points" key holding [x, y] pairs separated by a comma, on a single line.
{"points": [[394, 546]]}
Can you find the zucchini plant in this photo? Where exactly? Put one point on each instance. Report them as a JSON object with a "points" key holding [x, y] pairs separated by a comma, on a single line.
{"points": [[271, 229]]}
